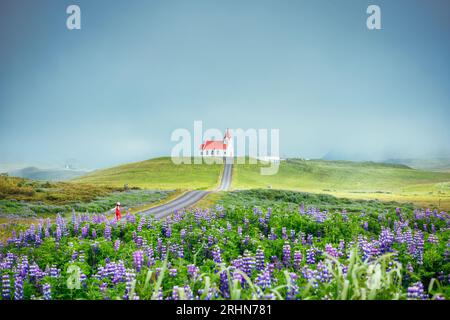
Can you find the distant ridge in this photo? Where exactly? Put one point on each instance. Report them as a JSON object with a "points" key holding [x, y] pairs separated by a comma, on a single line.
{"points": [[433, 164], [35, 173]]}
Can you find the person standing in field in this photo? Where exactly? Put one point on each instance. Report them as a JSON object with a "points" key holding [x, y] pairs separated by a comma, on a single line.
{"points": [[118, 216]]}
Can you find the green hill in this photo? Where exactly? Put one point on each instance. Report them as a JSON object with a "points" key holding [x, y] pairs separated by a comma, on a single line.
{"points": [[47, 174], [158, 173], [354, 180], [358, 180]]}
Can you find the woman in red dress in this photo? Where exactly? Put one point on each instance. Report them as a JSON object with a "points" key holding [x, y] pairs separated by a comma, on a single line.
{"points": [[118, 216]]}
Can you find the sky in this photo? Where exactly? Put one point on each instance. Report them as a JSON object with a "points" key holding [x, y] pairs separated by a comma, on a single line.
{"points": [[115, 90]]}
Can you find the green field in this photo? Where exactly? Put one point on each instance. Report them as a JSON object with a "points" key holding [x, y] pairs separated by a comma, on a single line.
{"points": [[159, 173], [21, 198], [356, 180]]}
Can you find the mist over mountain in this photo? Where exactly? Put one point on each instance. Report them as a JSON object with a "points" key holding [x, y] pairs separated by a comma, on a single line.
{"points": [[439, 162], [47, 174]]}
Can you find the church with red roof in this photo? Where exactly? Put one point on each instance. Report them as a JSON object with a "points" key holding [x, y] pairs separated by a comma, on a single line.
{"points": [[218, 148]]}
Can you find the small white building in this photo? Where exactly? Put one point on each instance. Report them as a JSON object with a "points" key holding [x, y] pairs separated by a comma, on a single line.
{"points": [[218, 148], [271, 159]]}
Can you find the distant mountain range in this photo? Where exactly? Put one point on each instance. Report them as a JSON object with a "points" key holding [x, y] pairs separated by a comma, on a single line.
{"points": [[47, 174], [433, 164], [429, 164]]}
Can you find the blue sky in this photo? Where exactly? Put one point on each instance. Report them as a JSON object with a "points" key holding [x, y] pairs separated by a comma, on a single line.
{"points": [[114, 91]]}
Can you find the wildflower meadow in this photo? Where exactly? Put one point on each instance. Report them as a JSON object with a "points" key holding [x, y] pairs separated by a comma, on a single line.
{"points": [[233, 252]]}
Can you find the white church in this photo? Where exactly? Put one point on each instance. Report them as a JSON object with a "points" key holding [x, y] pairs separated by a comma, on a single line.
{"points": [[218, 148]]}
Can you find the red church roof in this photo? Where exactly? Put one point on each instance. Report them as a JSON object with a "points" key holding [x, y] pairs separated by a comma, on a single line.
{"points": [[213, 145]]}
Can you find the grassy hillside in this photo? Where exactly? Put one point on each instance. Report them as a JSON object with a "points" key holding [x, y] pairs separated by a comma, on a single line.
{"points": [[358, 180], [433, 164], [47, 174], [55, 193], [24, 198], [159, 173]]}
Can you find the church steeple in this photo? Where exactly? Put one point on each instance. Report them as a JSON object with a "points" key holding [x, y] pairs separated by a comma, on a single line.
{"points": [[227, 135]]}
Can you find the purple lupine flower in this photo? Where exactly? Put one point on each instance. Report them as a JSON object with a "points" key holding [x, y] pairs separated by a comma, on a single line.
{"points": [[163, 252], [366, 225], [292, 289], [103, 287], [117, 245], [54, 272], [409, 267], [159, 246], [180, 251], [248, 263], [175, 293], [329, 249], [182, 233], [287, 255], [419, 246], [130, 276], [259, 257], [131, 218], [58, 233], [139, 241], [433, 228], [272, 235], [210, 241], [292, 235], [173, 272], [297, 259], [193, 271], [432, 238], [246, 222], [18, 287], [151, 257], [138, 259], [34, 269], [302, 208], [23, 267], [224, 285], [238, 276], [84, 231], [83, 279], [283, 233], [217, 258], [311, 256], [47, 291], [6, 287], [416, 292], [168, 232], [189, 295], [310, 275], [107, 233], [386, 239], [323, 274], [141, 224], [264, 279]]}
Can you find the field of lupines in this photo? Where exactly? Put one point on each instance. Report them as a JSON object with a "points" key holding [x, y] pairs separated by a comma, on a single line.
{"points": [[233, 252]]}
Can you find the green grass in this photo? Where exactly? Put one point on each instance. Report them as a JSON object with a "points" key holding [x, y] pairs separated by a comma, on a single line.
{"points": [[52, 193], [159, 173], [293, 199], [356, 180], [27, 198]]}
